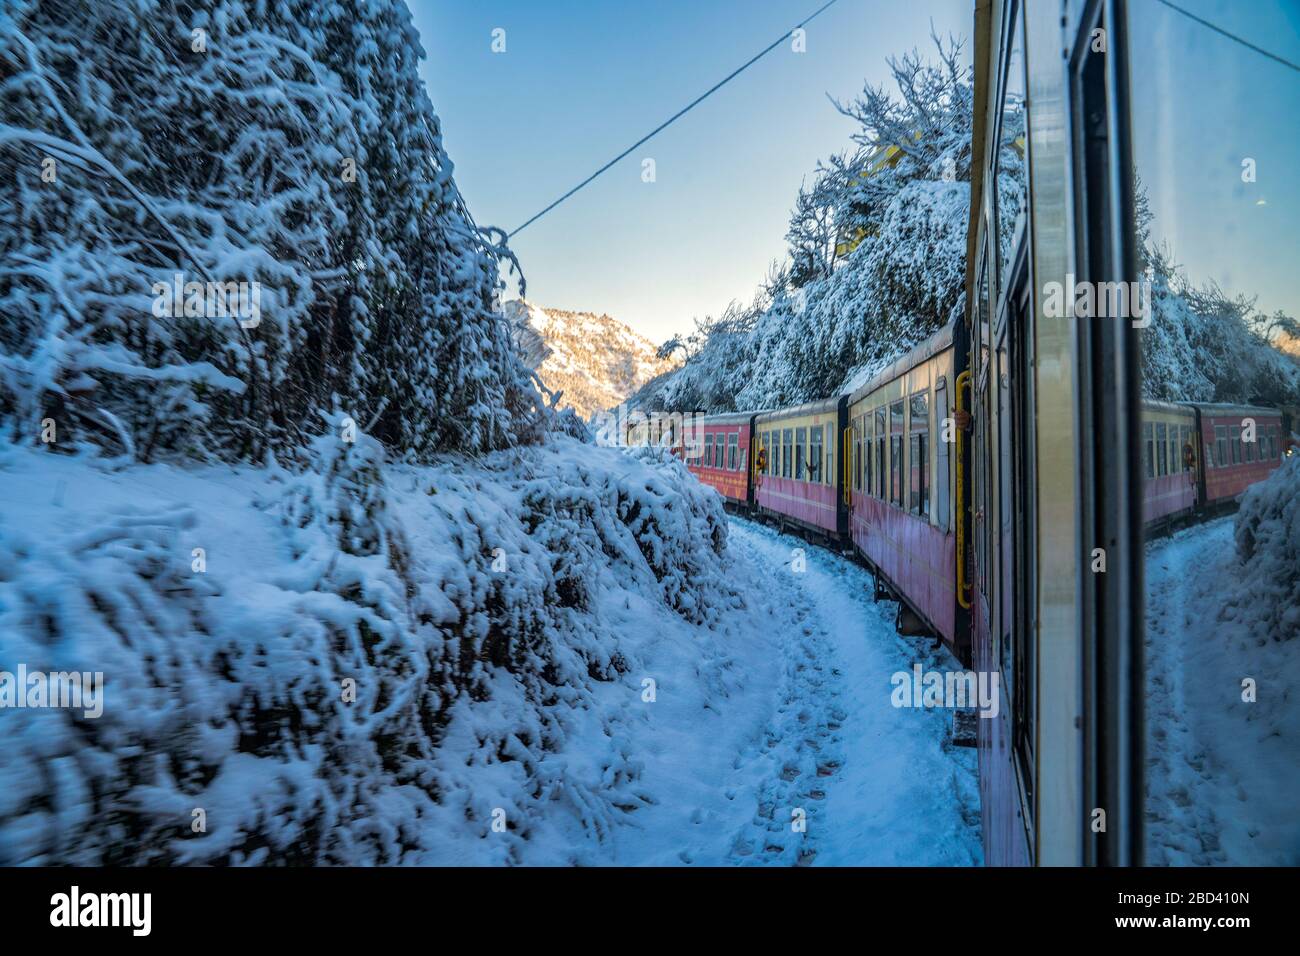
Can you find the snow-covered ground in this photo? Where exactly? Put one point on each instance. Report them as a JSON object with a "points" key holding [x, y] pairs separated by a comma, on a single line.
{"points": [[1223, 773], [809, 736]]}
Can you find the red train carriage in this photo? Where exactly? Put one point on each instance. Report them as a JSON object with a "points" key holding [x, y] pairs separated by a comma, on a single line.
{"points": [[718, 454], [900, 484], [1171, 460], [798, 484], [1243, 444]]}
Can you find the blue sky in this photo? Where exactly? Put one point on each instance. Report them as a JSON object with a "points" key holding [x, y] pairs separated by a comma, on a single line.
{"points": [[583, 79], [1203, 105]]}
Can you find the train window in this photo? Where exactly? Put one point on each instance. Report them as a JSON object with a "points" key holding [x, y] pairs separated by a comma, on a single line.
{"points": [[1272, 442], [1162, 450], [896, 453], [866, 468], [1009, 193], [1214, 228], [1185, 446], [787, 455], [1174, 451], [733, 446], [983, 316], [815, 456], [708, 450], [918, 454], [864, 461], [1148, 451], [827, 432], [880, 454], [800, 450], [855, 449]]}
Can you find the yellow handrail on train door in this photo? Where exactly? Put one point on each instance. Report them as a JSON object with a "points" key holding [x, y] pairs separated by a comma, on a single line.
{"points": [[963, 380]]}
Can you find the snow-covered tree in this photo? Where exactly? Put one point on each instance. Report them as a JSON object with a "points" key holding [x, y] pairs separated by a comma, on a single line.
{"points": [[876, 257], [288, 146]]}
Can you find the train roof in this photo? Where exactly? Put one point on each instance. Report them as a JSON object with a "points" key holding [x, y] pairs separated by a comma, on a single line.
{"points": [[1228, 408], [1158, 405], [939, 342], [807, 408], [729, 418]]}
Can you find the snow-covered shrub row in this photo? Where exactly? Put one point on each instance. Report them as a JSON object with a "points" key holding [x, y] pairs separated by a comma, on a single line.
{"points": [[288, 145], [1268, 545], [357, 663]]}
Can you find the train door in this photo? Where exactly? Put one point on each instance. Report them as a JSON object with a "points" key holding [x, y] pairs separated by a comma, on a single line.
{"points": [[1014, 568], [1017, 633]]}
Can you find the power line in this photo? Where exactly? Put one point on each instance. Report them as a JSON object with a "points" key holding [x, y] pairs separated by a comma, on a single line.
{"points": [[680, 113], [1231, 36]]}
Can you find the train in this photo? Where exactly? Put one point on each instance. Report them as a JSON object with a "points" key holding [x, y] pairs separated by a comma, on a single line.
{"points": [[1002, 477], [874, 473]]}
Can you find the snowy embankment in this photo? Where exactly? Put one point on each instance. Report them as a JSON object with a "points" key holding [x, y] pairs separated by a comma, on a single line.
{"points": [[363, 663], [549, 656], [1223, 666]]}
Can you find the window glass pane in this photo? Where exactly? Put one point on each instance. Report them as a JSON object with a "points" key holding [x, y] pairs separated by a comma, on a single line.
{"points": [[828, 471], [869, 486], [1217, 244], [917, 490], [1009, 196], [815, 456], [920, 411]]}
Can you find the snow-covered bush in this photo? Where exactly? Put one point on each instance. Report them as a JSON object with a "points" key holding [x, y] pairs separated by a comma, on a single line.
{"points": [[1268, 545], [372, 661]]}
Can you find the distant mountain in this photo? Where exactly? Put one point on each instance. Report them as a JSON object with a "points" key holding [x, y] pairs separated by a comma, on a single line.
{"points": [[594, 360]]}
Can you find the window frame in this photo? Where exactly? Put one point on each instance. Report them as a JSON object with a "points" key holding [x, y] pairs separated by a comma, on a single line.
{"points": [[817, 474], [918, 488]]}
